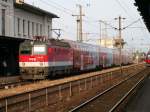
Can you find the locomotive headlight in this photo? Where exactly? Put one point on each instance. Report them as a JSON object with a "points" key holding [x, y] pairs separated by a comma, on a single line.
{"points": [[41, 64], [23, 64]]}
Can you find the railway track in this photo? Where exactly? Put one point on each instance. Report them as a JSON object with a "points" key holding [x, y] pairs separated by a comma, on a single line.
{"points": [[62, 95], [111, 99]]}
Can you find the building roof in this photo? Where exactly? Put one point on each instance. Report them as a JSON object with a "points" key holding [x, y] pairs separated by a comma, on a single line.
{"points": [[36, 10], [12, 40], [144, 9]]}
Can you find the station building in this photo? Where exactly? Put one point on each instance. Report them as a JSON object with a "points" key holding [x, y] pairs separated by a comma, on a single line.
{"points": [[20, 21]]}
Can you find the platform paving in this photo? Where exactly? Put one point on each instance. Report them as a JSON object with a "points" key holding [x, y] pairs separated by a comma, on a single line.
{"points": [[141, 101]]}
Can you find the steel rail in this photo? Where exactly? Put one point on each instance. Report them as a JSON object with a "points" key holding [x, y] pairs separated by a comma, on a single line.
{"points": [[102, 93], [126, 95], [28, 92]]}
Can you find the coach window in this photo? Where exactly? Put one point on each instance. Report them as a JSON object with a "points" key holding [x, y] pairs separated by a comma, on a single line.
{"points": [[55, 50], [63, 51], [58, 51]]}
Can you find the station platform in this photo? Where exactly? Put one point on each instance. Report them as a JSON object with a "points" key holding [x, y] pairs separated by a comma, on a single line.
{"points": [[141, 101], [10, 79]]}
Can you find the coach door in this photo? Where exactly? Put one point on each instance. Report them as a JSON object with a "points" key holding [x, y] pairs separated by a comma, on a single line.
{"points": [[104, 61]]}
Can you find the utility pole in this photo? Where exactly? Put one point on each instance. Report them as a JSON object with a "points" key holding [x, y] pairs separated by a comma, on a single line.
{"points": [[120, 40], [100, 32], [120, 36], [79, 24], [103, 31], [81, 31], [106, 30]]}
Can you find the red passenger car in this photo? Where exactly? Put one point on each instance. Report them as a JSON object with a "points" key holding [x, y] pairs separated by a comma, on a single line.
{"points": [[147, 60], [85, 56]]}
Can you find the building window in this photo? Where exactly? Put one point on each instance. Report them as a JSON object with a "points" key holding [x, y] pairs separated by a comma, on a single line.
{"points": [[32, 28], [24, 28], [37, 29], [4, 0], [3, 21], [28, 28], [48, 31], [40, 29], [18, 21]]}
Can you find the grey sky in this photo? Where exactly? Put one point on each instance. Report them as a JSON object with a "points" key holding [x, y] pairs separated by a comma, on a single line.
{"points": [[94, 11]]}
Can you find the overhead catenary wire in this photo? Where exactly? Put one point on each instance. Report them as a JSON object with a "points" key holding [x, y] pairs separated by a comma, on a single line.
{"points": [[56, 7], [86, 19], [65, 10], [123, 8], [131, 23], [69, 12], [130, 15]]}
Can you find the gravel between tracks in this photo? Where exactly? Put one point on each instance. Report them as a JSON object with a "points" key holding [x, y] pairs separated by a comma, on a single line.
{"points": [[106, 101]]}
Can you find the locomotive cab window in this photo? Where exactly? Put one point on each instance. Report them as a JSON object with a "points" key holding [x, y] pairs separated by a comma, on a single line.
{"points": [[25, 51], [39, 49]]}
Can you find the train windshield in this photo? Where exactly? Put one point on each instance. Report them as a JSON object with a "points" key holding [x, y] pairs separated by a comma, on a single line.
{"points": [[25, 51], [25, 48], [39, 49]]}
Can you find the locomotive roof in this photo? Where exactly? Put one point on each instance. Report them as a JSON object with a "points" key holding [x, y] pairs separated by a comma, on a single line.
{"points": [[53, 42], [56, 42]]}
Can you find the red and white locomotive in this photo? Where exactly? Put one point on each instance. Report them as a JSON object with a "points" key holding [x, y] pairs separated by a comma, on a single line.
{"points": [[39, 60]]}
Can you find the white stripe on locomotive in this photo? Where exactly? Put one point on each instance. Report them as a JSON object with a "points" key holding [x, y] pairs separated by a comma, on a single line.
{"points": [[45, 64]]}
